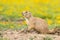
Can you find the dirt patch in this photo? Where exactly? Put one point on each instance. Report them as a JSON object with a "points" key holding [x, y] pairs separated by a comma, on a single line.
{"points": [[17, 35]]}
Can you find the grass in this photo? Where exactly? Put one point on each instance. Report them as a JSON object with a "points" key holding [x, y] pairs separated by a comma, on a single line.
{"points": [[47, 38], [49, 12]]}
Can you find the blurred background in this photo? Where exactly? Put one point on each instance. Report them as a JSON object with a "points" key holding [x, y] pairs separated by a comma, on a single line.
{"points": [[10, 12]]}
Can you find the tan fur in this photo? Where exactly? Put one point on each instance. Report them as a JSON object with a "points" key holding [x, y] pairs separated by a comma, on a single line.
{"points": [[36, 23]]}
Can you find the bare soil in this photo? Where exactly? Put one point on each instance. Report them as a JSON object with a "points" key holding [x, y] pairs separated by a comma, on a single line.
{"points": [[17, 35]]}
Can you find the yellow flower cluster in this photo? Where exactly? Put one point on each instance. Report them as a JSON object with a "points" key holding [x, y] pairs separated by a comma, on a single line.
{"points": [[42, 7], [4, 23], [49, 21]]}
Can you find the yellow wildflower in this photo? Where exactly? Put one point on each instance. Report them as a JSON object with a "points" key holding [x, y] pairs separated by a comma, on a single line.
{"points": [[49, 21], [27, 8], [9, 12], [36, 1], [24, 22], [57, 21], [58, 17], [1, 8], [4, 23]]}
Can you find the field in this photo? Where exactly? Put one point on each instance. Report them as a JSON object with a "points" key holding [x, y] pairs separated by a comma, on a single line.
{"points": [[10, 12]]}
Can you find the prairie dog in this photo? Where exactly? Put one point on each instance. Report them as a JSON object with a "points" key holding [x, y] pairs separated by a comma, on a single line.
{"points": [[38, 24]]}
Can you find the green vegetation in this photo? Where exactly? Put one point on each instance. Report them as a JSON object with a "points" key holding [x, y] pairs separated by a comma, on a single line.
{"points": [[10, 11]]}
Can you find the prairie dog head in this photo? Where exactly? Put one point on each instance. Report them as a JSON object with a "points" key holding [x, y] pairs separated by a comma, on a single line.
{"points": [[26, 14]]}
